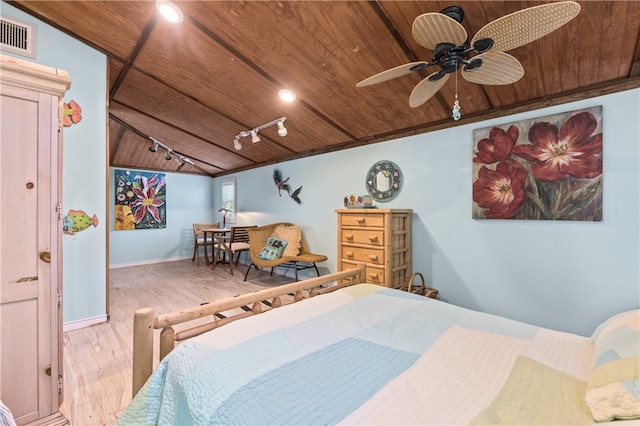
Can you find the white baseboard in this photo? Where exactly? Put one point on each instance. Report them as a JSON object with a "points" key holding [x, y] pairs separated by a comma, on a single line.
{"points": [[85, 322], [147, 262]]}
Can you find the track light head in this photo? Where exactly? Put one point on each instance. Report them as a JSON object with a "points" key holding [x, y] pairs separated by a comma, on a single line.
{"points": [[168, 156], [282, 131], [154, 148], [236, 144], [254, 136]]}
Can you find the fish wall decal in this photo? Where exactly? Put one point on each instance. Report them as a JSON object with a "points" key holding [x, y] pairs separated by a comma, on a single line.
{"points": [[71, 113], [77, 221]]}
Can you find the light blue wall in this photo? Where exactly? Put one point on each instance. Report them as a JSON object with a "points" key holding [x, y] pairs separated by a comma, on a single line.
{"points": [[189, 200], [564, 275], [84, 165]]}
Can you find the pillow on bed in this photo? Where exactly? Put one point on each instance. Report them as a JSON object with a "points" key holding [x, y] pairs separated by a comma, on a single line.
{"points": [[613, 388], [273, 249], [292, 235]]}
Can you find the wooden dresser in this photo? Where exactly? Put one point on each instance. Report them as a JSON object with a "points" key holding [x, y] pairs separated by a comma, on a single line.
{"points": [[379, 237]]}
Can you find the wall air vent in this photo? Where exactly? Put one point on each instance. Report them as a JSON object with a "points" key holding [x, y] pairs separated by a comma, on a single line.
{"points": [[17, 37]]}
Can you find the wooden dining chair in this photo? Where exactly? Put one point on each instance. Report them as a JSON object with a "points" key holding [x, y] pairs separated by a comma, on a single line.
{"points": [[233, 245], [198, 239]]}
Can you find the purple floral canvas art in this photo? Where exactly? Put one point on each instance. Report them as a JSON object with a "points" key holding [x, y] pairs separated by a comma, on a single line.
{"points": [[140, 200], [547, 168]]}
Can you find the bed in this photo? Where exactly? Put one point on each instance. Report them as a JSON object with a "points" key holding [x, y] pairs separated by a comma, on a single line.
{"points": [[341, 351]]}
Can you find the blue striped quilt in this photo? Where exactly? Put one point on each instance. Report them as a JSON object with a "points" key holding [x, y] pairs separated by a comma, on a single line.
{"points": [[370, 355]]}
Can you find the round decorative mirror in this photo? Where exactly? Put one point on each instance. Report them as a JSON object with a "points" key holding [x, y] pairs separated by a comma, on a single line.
{"points": [[384, 181]]}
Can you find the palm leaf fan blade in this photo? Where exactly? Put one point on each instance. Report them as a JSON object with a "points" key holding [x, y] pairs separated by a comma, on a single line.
{"points": [[425, 90], [390, 74], [497, 68], [526, 25], [431, 29]]}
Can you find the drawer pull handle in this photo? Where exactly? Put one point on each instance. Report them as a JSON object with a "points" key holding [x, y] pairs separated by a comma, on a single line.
{"points": [[373, 276], [349, 254], [349, 236], [373, 239], [373, 257], [360, 219]]}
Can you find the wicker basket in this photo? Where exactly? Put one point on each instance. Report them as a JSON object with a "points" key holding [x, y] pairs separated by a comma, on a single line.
{"points": [[420, 289]]}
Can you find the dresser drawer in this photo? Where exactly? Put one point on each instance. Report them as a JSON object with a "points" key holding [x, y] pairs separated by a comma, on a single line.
{"points": [[373, 275], [374, 237], [355, 219], [367, 255]]}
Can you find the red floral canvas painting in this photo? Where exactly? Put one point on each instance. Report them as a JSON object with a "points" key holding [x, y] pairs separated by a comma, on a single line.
{"points": [[547, 168]]}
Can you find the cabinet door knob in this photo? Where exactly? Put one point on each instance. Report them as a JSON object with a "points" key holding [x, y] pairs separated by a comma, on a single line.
{"points": [[48, 370], [45, 256]]}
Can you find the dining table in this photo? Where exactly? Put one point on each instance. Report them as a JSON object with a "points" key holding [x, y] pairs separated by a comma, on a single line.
{"points": [[216, 233]]}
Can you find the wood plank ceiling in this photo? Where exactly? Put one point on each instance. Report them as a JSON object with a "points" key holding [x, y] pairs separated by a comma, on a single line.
{"points": [[196, 84]]}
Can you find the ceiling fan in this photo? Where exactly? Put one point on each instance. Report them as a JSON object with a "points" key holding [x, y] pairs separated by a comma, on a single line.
{"points": [[444, 34]]}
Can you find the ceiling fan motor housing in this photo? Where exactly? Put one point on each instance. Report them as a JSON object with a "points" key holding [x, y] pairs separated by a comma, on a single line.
{"points": [[454, 12], [450, 57]]}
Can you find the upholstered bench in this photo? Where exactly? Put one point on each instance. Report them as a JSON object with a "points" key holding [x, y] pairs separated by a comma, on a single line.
{"points": [[302, 260]]}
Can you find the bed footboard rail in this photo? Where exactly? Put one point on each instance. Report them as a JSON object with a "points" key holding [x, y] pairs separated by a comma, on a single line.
{"points": [[145, 322]]}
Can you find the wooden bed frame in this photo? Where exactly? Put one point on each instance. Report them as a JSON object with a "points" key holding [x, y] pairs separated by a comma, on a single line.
{"points": [[145, 321]]}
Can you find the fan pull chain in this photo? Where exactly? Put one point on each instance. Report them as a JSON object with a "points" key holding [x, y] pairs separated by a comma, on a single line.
{"points": [[456, 110], [456, 105]]}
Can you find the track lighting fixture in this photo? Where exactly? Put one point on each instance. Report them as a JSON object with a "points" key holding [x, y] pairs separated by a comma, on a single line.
{"points": [[282, 131], [181, 158]]}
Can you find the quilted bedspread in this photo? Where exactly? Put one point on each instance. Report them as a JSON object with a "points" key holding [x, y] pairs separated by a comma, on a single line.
{"points": [[370, 355]]}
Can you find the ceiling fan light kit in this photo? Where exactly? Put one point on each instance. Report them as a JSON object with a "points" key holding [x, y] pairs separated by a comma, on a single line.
{"points": [[282, 131], [444, 34]]}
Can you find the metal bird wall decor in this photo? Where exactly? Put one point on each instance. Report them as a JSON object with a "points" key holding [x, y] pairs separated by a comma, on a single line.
{"points": [[283, 185]]}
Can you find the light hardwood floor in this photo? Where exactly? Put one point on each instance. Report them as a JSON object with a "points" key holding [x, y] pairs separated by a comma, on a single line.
{"points": [[97, 359]]}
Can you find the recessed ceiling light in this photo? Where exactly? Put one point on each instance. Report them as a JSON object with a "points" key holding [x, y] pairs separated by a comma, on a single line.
{"points": [[287, 95], [169, 10]]}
